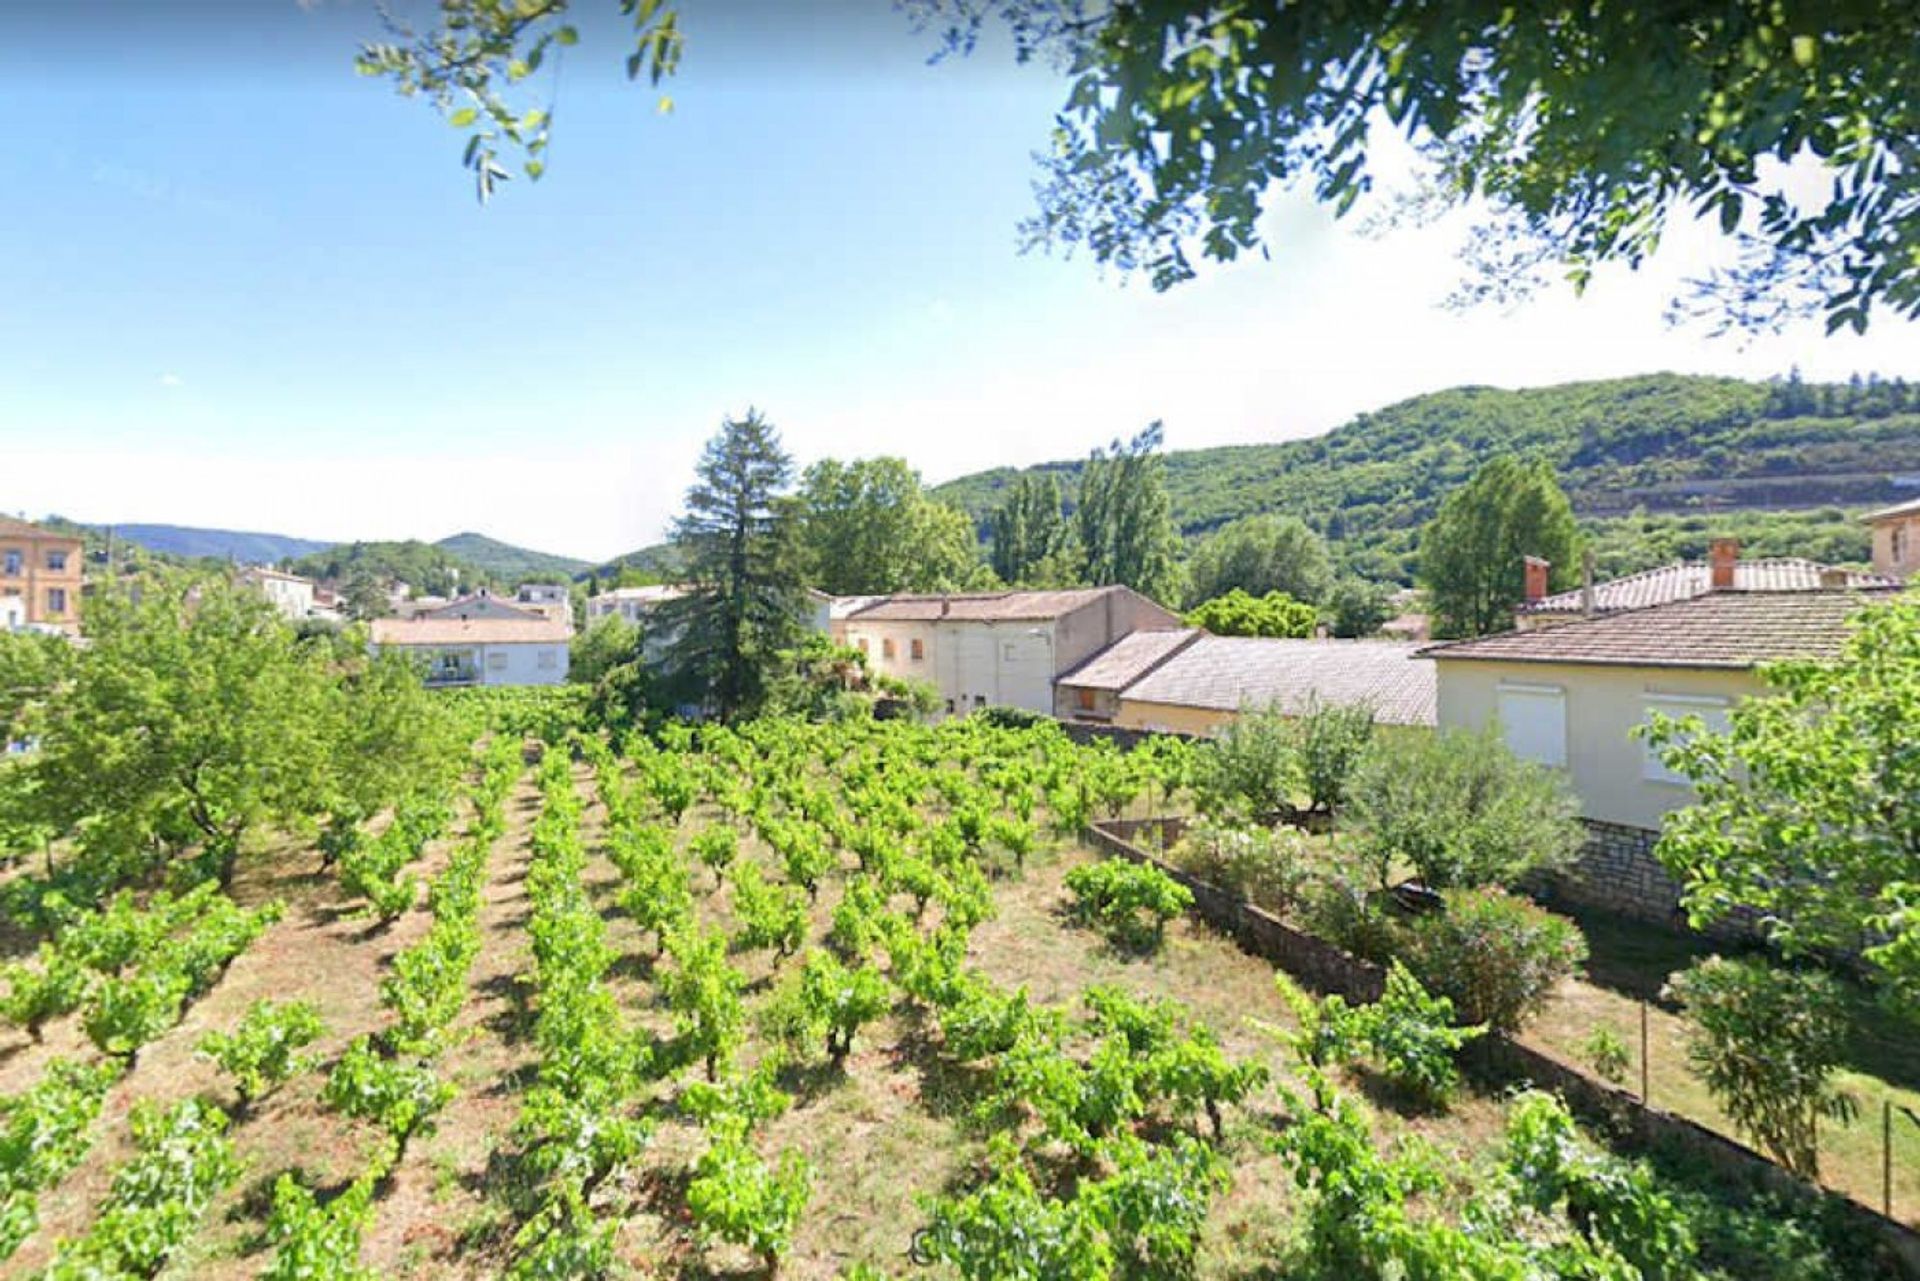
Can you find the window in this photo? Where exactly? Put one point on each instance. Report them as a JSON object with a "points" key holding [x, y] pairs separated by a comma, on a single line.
{"points": [[547, 660], [863, 644], [1083, 699], [1712, 711], [979, 701], [1899, 545], [917, 650], [1534, 720], [56, 561], [497, 661], [949, 707], [10, 563], [56, 600], [1008, 651], [886, 647]]}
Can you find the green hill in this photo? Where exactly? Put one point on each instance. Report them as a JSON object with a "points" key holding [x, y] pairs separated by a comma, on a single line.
{"points": [[1663, 457], [509, 564]]}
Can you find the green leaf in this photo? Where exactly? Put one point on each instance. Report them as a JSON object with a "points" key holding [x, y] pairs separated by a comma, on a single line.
{"points": [[463, 117]]}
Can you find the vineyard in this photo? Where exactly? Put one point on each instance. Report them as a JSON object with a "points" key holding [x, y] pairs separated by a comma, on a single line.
{"points": [[813, 1000]]}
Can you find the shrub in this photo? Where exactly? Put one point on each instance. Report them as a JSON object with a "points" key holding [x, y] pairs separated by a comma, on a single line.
{"points": [[1766, 1041], [771, 915], [1007, 1230], [1412, 1036], [1250, 768], [1265, 866], [400, 1098], [260, 1053], [1130, 901], [1331, 741], [1496, 956], [736, 1196], [1461, 810], [1606, 1054], [317, 1242]]}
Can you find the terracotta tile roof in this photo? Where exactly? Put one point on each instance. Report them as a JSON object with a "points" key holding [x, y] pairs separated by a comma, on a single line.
{"points": [[1684, 580], [1734, 629], [1909, 508], [1129, 658], [1225, 673], [470, 631], [13, 528], [982, 607]]}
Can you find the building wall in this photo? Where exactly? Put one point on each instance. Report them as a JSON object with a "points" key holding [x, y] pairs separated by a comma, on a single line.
{"points": [[541, 664], [973, 664], [1902, 561], [49, 595], [1169, 718], [293, 598], [482, 607], [1102, 705], [1605, 762]]}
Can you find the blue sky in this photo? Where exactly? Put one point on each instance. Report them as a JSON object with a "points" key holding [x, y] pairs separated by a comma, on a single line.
{"points": [[245, 287]]}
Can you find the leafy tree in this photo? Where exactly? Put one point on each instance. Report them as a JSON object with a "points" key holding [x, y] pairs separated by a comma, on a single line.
{"points": [[1251, 768], [867, 527], [1258, 555], [1125, 519], [1461, 810], [1498, 957], [1472, 554], [1333, 739], [1033, 544], [1181, 119], [1237, 614], [735, 541], [1804, 811], [1358, 607], [1767, 1042], [607, 643]]}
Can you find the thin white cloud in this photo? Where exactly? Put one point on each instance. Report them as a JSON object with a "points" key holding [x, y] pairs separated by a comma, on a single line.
{"points": [[172, 380]]}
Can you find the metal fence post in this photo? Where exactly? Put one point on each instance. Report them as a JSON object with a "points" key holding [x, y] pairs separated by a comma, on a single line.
{"points": [[1644, 1076]]}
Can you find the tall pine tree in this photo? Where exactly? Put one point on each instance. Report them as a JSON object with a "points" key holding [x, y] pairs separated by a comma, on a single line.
{"points": [[735, 543], [1126, 520]]}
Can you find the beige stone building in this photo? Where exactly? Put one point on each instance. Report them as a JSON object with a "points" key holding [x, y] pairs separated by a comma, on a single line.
{"points": [[291, 594], [1896, 539], [1573, 697], [43, 571], [998, 648]]}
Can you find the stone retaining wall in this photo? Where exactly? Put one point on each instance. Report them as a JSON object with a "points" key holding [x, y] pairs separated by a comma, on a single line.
{"points": [[1493, 1059]]}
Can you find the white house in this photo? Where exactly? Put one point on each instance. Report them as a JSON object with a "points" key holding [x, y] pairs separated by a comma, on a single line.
{"points": [[550, 600], [998, 648], [1572, 696], [480, 651], [631, 603], [291, 594]]}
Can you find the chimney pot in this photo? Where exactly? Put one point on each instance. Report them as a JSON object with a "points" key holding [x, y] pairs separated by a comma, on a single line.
{"points": [[1832, 578], [1537, 572], [1722, 555]]}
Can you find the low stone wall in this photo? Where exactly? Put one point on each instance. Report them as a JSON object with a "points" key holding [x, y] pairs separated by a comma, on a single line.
{"points": [[1125, 739], [1618, 873], [1493, 1059]]}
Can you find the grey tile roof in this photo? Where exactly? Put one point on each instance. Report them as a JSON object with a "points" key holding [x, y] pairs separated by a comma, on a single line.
{"points": [[1129, 658], [987, 607], [1684, 580], [1225, 673], [1731, 629]]}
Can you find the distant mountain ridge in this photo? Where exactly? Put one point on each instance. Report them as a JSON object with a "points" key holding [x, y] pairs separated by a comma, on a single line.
{"points": [[1665, 443], [492, 558]]}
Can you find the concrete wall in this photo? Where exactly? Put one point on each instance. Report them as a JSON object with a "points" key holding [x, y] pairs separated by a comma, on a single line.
{"points": [[1606, 764], [974, 664], [541, 664]]}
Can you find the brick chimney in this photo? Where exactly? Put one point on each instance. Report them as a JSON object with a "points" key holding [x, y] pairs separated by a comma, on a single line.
{"points": [[1722, 555], [1537, 570]]}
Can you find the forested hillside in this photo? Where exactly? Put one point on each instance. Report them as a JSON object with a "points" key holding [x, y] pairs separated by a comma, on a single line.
{"points": [[1715, 451], [510, 564]]}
